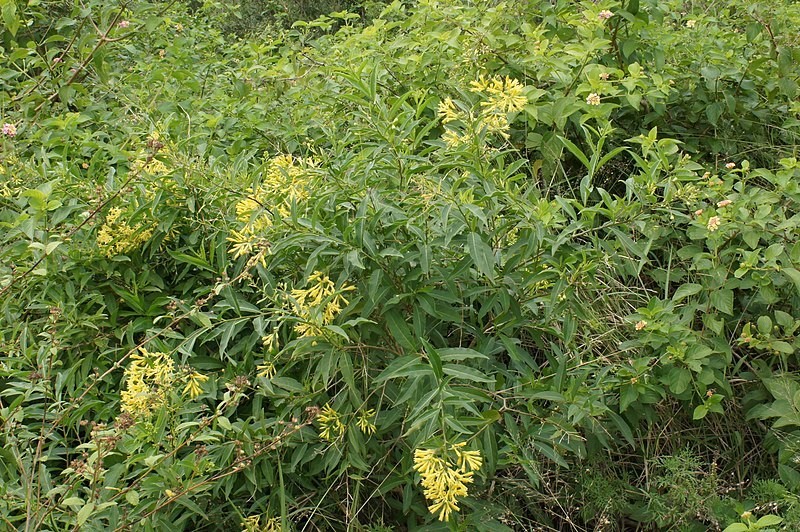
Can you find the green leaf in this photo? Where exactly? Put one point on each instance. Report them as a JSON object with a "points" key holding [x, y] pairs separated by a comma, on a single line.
{"points": [[8, 8], [466, 373], [224, 422], [51, 247], [737, 527], [722, 300], [84, 513], [793, 276], [406, 366], [72, 501], [434, 360], [186, 502], [481, 254], [190, 259], [575, 150], [548, 396], [686, 290], [400, 330], [132, 497], [353, 258], [700, 412], [769, 520], [454, 354]]}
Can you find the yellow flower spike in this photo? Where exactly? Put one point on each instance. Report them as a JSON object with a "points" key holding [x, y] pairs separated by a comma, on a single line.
{"points": [[330, 422], [245, 209], [366, 422], [308, 303], [148, 379], [117, 236], [266, 370], [193, 384], [448, 111], [444, 480]]}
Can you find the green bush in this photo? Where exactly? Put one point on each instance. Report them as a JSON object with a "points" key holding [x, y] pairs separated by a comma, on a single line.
{"points": [[259, 16], [477, 265]]}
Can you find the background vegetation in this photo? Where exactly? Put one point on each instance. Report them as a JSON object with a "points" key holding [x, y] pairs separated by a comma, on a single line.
{"points": [[427, 265]]}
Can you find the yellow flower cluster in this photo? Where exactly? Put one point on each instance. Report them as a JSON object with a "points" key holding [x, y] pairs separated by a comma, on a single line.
{"points": [[286, 181], [153, 166], [448, 111], [319, 304], [366, 421], [148, 380], [254, 524], [502, 96], [194, 381], [330, 423], [9, 180], [271, 345], [288, 178], [445, 474], [453, 139], [116, 236]]}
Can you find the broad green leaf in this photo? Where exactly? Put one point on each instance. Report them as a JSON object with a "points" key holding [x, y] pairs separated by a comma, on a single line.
{"points": [[132, 497], [466, 373], [406, 366], [722, 300], [84, 513], [481, 255], [454, 354], [686, 290]]}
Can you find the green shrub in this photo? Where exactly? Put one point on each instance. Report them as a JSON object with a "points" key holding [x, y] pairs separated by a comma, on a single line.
{"points": [[495, 264]]}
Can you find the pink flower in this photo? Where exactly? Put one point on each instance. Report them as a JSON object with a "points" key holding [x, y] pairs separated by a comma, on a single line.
{"points": [[123, 23], [57, 60], [9, 130], [724, 203], [604, 76], [593, 99], [713, 223], [698, 212], [730, 166], [641, 324], [605, 14]]}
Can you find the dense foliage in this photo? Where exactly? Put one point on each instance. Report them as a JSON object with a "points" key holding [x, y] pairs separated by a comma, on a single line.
{"points": [[444, 264]]}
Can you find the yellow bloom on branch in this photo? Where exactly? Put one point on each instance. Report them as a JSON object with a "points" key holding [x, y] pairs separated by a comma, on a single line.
{"points": [[148, 380], [448, 111], [330, 423], [193, 384], [117, 235], [318, 304], [366, 421], [503, 95], [445, 474]]}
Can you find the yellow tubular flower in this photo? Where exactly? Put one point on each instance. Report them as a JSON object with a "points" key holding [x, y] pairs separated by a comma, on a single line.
{"points": [[193, 384], [266, 370], [148, 379], [504, 95], [117, 236], [444, 480], [330, 423], [319, 304], [366, 421], [246, 208], [448, 111]]}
